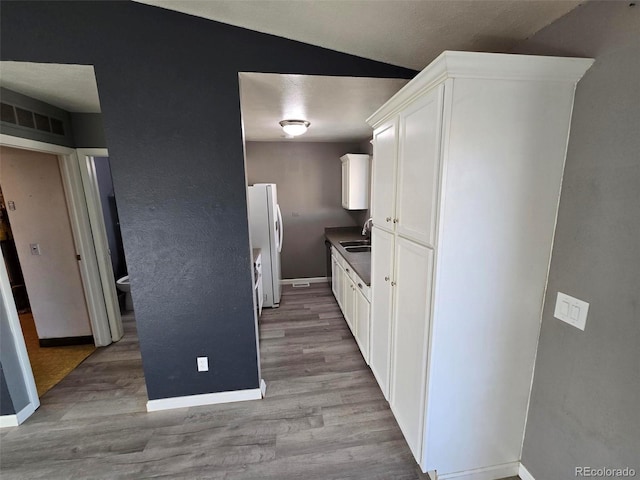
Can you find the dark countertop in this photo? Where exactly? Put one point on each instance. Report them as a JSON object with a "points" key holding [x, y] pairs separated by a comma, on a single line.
{"points": [[361, 262]]}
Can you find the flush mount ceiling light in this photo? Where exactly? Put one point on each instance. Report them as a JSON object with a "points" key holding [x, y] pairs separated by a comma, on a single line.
{"points": [[294, 128]]}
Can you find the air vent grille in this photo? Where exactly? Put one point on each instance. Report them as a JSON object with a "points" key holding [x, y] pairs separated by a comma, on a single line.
{"points": [[33, 120]]}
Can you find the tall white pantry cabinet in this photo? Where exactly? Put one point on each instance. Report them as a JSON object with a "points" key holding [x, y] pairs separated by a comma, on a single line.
{"points": [[467, 168]]}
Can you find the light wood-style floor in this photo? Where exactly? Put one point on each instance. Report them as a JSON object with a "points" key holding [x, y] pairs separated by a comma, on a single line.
{"points": [[323, 417]]}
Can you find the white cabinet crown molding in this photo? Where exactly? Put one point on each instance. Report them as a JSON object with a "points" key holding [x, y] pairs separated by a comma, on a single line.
{"points": [[450, 64]]}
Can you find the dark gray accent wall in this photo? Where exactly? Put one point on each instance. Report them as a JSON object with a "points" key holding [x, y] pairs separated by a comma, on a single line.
{"points": [[309, 180], [585, 401], [33, 105], [6, 405], [168, 86], [88, 130]]}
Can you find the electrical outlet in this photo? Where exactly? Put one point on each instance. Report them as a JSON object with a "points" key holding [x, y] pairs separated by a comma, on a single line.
{"points": [[571, 310], [35, 248], [203, 364]]}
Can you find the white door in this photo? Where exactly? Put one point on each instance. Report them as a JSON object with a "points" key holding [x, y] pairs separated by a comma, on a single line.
{"points": [[383, 176], [411, 313], [99, 231], [418, 168], [381, 302]]}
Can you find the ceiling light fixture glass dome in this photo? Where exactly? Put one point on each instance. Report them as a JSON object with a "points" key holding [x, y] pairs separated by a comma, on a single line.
{"points": [[294, 128]]}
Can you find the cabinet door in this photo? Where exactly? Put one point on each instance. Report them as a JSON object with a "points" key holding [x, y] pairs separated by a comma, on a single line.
{"points": [[383, 175], [339, 285], [419, 168], [345, 183], [411, 313], [381, 301], [363, 310], [334, 277], [349, 302]]}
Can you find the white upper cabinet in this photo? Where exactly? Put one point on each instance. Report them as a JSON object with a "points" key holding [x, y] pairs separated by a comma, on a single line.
{"points": [[418, 168], [384, 175], [355, 181]]}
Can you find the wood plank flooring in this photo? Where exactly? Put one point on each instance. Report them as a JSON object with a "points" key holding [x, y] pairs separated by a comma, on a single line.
{"points": [[324, 416]]}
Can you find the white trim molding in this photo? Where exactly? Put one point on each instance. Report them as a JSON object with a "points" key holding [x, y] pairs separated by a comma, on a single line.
{"points": [[487, 473], [503, 66], [303, 282], [204, 399], [18, 418], [8, 421], [263, 387], [33, 145], [523, 473]]}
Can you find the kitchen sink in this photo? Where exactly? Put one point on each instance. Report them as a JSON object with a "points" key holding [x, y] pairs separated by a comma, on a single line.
{"points": [[358, 249], [355, 243]]}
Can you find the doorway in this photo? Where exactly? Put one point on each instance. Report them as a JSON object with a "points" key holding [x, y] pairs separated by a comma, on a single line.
{"points": [[40, 257], [18, 372]]}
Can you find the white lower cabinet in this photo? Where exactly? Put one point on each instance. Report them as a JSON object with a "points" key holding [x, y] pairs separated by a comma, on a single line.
{"points": [[351, 293]]}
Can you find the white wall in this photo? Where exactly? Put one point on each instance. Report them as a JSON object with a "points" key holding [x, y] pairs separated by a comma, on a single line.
{"points": [[32, 180]]}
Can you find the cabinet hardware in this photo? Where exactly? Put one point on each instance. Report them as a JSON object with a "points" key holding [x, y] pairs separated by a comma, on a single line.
{"points": [[386, 279], [347, 269], [359, 285], [388, 219], [393, 284], [395, 220]]}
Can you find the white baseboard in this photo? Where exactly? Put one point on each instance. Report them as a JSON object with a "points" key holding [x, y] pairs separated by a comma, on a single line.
{"points": [[18, 418], [303, 282], [8, 421], [263, 387], [488, 473], [524, 474], [204, 399]]}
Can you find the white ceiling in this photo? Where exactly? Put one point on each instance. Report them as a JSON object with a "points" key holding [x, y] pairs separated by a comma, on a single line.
{"points": [[409, 33], [336, 106], [70, 87]]}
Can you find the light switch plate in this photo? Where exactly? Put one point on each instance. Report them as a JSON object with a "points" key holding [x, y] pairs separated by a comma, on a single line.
{"points": [[571, 310]]}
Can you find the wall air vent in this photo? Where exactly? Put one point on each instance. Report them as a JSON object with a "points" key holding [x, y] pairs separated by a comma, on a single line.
{"points": [[32, 120]]}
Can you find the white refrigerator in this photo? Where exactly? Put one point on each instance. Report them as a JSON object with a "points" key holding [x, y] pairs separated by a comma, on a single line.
{"points": [[265, 227]]}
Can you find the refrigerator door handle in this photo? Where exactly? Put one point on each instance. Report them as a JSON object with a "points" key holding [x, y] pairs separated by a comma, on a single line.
{"points": [[281, 229]]}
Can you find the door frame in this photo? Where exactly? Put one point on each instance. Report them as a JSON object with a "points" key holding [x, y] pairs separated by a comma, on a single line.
{"points": [[85, 248], [89, 179]]}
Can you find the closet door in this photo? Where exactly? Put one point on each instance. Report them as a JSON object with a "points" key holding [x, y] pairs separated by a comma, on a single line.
{"points": [[419, 168], [411, 314], [384, 175], [381, 303]]}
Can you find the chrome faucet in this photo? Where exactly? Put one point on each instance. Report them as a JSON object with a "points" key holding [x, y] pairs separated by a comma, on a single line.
{"points": [[366, 228]]}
